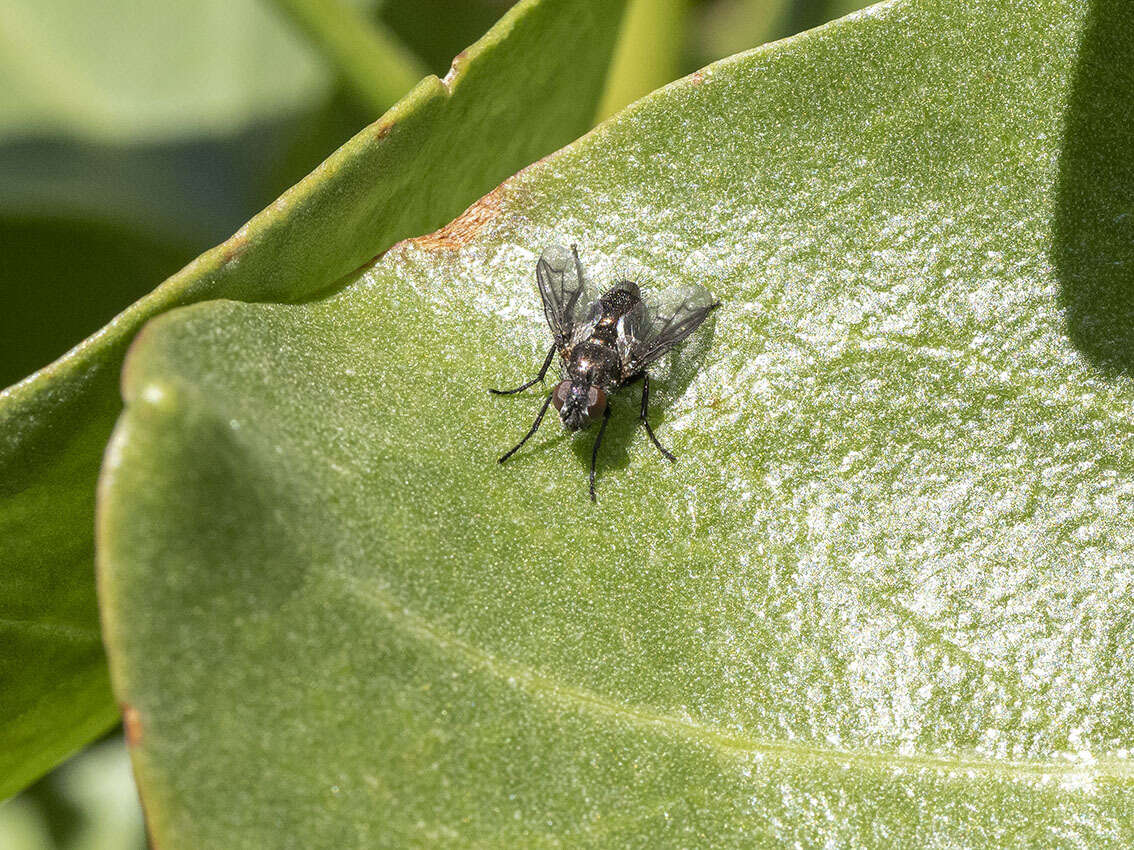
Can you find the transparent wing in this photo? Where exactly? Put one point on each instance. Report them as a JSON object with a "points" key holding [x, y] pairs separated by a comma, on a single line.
{"points": [[588, 316], [561, 287], [653, 328]]}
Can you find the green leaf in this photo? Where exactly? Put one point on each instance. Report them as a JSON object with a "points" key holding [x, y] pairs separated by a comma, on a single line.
{"points": [[221, 63], [41, 255], [502, 106], [369, 56], [650, 52], [882, 599]]}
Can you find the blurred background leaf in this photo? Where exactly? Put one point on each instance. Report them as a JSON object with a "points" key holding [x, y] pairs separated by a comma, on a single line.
{"points": [[651, 52], [128, 72], [89, 803]]}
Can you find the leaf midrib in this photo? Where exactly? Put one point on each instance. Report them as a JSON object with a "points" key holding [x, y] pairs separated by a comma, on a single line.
{"points": [[727, 742]]}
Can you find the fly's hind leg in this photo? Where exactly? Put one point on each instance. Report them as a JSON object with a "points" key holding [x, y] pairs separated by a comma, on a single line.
{"points": [[533, 381], [645, 420]]}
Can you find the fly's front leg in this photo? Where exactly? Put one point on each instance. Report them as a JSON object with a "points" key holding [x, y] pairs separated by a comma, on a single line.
{"points": [[527, 436], [535, 380], [645, 419], [578, 263]]}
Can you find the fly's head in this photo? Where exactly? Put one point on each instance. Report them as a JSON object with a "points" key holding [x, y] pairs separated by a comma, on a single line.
{"points": [[578, 402]]}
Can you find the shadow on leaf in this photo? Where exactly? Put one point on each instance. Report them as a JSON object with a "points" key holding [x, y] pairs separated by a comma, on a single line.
{"points": [[1094, 218]]}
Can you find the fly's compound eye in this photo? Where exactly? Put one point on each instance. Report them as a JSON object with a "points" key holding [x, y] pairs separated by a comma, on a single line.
{"points": [[596, 402], [561, 393]]}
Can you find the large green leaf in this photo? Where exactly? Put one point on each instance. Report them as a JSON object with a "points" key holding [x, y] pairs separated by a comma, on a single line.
{"points": [[503, 105], [883, 598]]}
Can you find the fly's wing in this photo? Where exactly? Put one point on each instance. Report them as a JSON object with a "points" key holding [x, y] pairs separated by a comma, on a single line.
{"points": [[561, 288], [588, 316], [650, 330]]}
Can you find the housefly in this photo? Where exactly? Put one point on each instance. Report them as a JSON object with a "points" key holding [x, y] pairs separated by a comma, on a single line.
{"points": [[605, 343]]}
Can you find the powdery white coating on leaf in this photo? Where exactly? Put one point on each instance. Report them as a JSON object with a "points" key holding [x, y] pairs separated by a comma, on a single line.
{"points": [[889, 402]]}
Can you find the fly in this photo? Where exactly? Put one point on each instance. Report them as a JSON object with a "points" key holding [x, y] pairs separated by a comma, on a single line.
{"points": [[605, 343]]}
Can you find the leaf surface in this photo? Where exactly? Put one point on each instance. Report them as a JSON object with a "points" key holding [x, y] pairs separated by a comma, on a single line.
{"points": [[447, 142], [882, 599]]}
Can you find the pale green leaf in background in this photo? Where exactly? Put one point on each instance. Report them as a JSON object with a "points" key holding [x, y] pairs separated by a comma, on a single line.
{"points": [[229, 59], [649, 54], [883, 598], [724, 27], [372, 60], [88, 803]]}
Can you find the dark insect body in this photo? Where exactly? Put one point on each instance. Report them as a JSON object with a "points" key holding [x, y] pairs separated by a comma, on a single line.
{"points": [[605, 343]]}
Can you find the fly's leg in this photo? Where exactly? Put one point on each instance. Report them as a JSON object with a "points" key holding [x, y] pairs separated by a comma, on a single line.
{"points": [[578, 264], [535, 380], [646, 421], [534, 428], [594, 451]]}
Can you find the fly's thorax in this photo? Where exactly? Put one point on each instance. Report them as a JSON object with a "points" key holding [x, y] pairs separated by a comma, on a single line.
{"points": [[621, 299], [593, 362]]}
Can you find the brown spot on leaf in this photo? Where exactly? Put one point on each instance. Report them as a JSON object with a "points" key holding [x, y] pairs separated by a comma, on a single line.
{"points": [[132, 725], [234, 246], [464, 227]]}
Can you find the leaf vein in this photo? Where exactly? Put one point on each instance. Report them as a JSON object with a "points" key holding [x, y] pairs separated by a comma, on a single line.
{"points": [[726, 741]]}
